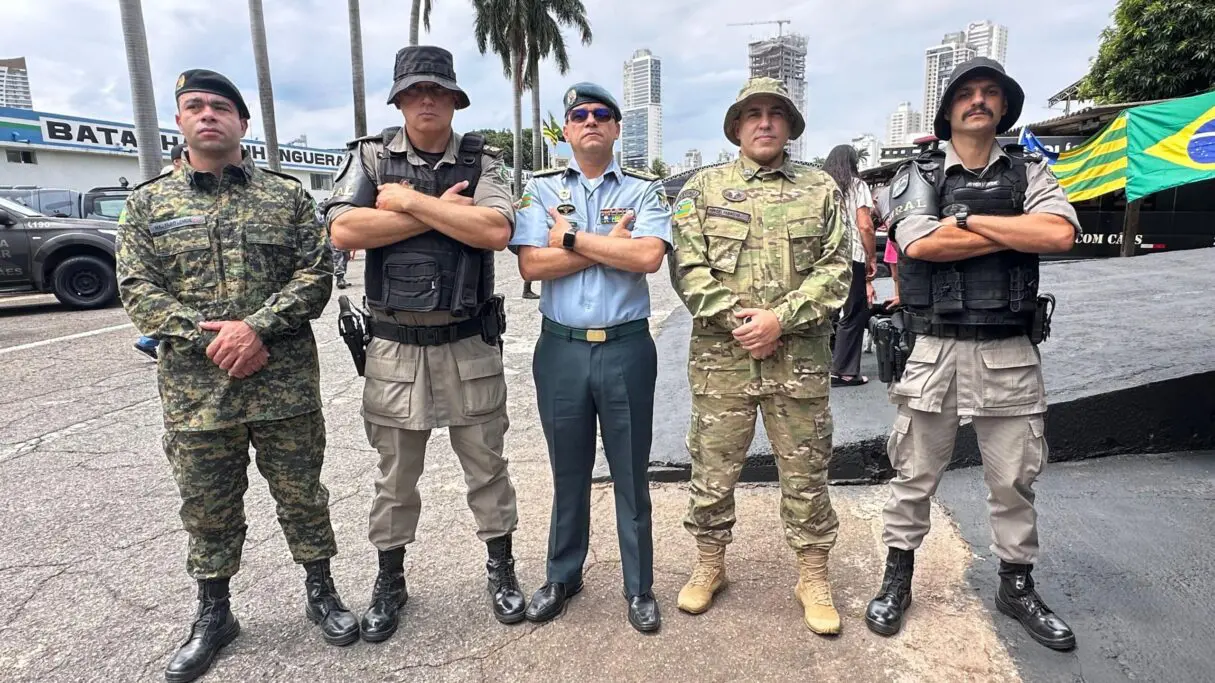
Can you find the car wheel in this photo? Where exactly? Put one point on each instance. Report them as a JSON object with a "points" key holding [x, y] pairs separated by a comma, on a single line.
{"points": [[85, 282]]}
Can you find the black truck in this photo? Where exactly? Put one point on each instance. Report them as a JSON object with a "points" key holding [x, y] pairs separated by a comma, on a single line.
{"points": [[72, 258]]}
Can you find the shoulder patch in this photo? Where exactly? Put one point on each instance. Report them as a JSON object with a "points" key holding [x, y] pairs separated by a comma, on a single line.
{"points": [[149, 181], [283, 175], [639, 174], [548, 172]]}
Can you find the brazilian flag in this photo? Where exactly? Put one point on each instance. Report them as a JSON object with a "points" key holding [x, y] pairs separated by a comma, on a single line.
{"points": [[1171, 144], [1144, 150]]}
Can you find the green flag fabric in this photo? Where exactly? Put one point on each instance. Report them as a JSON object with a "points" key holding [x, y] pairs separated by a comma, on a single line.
{"points": [[1098, 166], [1169, 144]]}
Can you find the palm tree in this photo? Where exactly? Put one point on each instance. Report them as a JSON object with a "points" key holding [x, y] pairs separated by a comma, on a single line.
{"points": [[143, 99], [659, 168], [257, 25], [418, 7], [544, 39], [862, 155], [501, 27], [356, 68], [552, 133]]}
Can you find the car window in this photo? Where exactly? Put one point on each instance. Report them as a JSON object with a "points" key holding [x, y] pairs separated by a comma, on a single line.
{"points": [[18, 208], [108, 207]]}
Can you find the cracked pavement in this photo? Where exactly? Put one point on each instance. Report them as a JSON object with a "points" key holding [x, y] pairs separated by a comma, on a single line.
{"points": [[92, 554]]}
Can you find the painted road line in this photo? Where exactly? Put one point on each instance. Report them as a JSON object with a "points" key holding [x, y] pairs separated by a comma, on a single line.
{"points": [[56, 340]]}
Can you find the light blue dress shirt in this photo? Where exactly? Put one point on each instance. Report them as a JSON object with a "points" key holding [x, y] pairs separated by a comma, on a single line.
{"points": [[599, 296]]}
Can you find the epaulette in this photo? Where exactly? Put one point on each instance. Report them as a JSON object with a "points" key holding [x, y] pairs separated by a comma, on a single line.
{"points": [[491, 150], [548, 172], [1016, 151], [366, 138], [640, 175], [151, 180], [283, 175]]}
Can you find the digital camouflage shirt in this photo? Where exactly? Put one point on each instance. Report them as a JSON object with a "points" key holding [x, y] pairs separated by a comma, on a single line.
{"points": [[754, 237], [245, 246]]}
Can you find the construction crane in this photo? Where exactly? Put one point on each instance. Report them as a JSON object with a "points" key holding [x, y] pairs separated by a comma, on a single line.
{"points": [[780, 24]]}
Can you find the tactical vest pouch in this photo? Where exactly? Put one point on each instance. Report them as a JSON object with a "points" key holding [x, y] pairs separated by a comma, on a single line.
{"points": [[948, 291], [411, 282]]}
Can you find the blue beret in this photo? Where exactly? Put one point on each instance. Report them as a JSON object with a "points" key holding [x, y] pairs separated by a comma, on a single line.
{"points": [[581, 93]]}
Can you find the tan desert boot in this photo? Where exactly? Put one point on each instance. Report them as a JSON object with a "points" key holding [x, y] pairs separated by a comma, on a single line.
{"points": [[708, 577], [814, 592]]}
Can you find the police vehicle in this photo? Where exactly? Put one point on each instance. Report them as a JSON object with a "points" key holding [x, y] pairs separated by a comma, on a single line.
{"points": [[72, 258], [101, 203]]}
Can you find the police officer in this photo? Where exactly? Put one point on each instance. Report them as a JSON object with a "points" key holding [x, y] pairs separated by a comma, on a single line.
{"points": [[341, 258], [763, 261], [225, 264], [970, 222], [590, 233], [430, 207]]}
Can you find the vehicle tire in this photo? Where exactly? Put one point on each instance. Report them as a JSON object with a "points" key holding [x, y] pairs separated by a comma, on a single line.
{"points": [[85, 282]]}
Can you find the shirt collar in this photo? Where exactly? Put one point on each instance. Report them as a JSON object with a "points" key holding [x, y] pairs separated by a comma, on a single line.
{"points": [[401, 145], [952, 159], [748, 169], [612, 169], [237, 173]]}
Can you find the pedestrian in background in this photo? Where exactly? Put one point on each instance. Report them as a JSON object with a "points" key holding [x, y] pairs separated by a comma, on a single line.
{"points": [[841, 165]]}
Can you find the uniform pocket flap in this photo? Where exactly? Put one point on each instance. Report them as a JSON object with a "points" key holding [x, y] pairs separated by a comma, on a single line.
{"points": [[902, 423], [1037, 425], [1003, 357], [390, 369], [477, 368], [733, 230], [265, 233], [182, 240], [926, 349], [805, 227]]}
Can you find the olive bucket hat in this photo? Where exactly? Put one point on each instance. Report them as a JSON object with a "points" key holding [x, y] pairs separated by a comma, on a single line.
{"points": [[756, 87]]}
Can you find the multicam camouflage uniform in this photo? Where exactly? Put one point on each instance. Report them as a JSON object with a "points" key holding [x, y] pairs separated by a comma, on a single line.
{"points": [[192, 248], [753, 237]]}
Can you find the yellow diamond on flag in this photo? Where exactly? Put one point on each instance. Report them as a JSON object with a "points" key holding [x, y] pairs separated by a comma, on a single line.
{"points": [[1192, 146]]}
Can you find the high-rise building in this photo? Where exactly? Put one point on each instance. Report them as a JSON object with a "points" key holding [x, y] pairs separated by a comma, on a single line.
{"points": [[15, 84], [869, 148], [641, 126], [902, 123], [980, 39], [783, 58], [988, 39], [724, 156], [691, 159]]}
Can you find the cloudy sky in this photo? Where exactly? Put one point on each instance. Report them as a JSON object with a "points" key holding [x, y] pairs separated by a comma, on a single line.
{"points": [[864, 57]]}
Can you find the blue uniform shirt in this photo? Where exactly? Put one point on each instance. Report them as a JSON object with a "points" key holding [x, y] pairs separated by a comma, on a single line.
{"points": [[599, 296]]}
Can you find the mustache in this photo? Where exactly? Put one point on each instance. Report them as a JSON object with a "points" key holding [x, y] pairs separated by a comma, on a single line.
{"points": [[981, 109]]}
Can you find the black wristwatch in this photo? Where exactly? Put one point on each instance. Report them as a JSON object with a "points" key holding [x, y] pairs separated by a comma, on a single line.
{"points": [[568, 240], [960, 215]]}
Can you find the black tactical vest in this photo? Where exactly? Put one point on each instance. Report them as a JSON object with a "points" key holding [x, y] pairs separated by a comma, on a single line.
{"points": [[995, 289], [431, 271]]}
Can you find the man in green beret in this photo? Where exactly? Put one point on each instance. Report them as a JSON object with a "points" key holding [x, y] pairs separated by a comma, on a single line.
{"points": [[225, 264]]}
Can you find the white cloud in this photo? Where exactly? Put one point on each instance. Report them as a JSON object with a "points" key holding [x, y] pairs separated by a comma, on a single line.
{"points": [[863, 58]]}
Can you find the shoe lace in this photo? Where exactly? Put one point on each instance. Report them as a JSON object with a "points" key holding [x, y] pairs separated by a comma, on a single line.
{"points": [[702, 574]]}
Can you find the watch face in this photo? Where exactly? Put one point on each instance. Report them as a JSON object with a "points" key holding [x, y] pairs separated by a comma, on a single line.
{"points": [[954, 209], [568, 240]]}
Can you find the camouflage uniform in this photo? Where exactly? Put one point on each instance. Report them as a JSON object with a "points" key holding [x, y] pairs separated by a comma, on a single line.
{"points": [[754, 237], [246, 246]]}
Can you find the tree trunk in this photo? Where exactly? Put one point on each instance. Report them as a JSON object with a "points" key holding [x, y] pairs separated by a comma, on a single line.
{"points": [[356, 70], [415, 16], [143, 100], [537, 134], [257, 25], [517, 95]]}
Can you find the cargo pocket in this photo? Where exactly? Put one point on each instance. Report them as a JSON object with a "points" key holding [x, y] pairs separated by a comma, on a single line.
{"points": [[724, 240], [412, 282], [1012, 375], [187, 258], [269, 253], [805, 239], [920, 365], [388, 389], [482, 384], [1036, 450], [898, 435]]}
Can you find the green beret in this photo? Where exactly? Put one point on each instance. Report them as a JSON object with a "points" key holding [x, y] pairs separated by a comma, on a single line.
{"points": [[205, 80], [581, 93]]}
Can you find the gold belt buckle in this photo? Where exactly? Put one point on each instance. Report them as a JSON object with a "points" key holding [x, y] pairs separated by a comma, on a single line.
{"points": [[596, 336]]}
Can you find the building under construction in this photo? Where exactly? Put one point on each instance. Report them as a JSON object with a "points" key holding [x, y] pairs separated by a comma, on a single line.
{"points": [[783, 58]]}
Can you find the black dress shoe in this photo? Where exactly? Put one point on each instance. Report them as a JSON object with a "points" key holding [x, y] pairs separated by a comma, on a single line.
{"points": [[1017, 598], [214, 627], [549, 601], [643, 612], [387, 598], [884, 616], [508, 601], [324, 608]]}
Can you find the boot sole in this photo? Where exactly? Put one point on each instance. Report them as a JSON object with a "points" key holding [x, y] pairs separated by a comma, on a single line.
{"points": [[339, 641], [707, 607], [186, 677], [511, 619], [1058, 645]]}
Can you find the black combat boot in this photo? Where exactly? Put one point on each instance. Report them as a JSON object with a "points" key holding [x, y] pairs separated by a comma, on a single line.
{"points": [[325, 608], [213, 628], [387, 598], [508, 601], [885, 613], [1018, 599]]}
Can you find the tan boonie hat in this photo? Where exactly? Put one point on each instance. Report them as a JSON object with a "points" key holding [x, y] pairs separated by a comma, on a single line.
{"points": [[763, 86]]}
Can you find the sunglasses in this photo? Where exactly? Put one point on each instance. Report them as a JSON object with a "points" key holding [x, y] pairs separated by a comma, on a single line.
{"points": [[602, 115]]}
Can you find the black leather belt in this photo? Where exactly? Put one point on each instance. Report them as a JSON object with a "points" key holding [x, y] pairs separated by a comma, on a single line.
{"points": [[594, 336], [426, 335], [972, 332]]}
